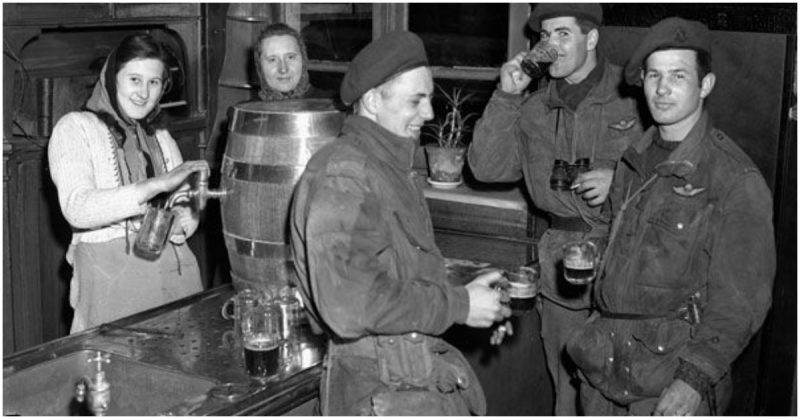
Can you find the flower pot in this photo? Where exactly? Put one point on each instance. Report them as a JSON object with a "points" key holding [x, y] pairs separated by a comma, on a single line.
{"points": [[445, 164]]}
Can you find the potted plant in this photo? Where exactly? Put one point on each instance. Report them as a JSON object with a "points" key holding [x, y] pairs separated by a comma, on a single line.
{"points": [[446, 154]]}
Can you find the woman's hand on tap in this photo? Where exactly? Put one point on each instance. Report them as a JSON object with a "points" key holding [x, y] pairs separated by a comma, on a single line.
{"points": [[171, 180]]}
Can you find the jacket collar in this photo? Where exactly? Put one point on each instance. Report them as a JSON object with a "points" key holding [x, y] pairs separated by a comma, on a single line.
{"points": [[390, 148], [684, 160], [601, 92]]}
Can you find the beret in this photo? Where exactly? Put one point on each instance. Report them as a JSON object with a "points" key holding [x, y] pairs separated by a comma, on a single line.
{"points": [[391, 54], [589, 11], [670, 33]]}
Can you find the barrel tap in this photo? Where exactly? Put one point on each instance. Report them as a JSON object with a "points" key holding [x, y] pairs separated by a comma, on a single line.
{"points": [[200, 192], [96, 392]]}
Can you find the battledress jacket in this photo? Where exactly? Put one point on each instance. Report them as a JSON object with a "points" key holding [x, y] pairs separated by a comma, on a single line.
{"points": [[522, 136], [367, 264], [699, 229]]}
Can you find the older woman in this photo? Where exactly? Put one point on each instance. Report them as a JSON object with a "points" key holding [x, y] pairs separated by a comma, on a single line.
{"points": [[281, 61], [107, 163]]}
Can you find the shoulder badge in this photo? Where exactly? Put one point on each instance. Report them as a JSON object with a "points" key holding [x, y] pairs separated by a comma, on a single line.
{"points": [[687, 190], [623, 124]]}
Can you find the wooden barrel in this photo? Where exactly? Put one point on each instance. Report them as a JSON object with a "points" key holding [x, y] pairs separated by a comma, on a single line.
{"points": [[268, 146]]}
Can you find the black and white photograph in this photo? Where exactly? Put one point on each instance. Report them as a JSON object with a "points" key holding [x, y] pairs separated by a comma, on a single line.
{"points": [[399, 209]]}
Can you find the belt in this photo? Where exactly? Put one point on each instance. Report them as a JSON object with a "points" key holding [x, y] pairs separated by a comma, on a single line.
{"points": [[364, 347], [569, 224], [367, 346], [688, 313]]}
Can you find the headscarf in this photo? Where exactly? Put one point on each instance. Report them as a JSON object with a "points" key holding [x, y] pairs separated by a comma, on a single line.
{"points": [[269, 94], [139, 155]]}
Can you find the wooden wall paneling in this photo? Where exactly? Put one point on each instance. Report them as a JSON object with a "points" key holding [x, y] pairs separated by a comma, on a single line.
{"points": [[777, 384], [214, 55], [41, 13], [56, 273], [188, 33], [26, 284], [237, 79], [8, 301], [387, 17], [141, 10], [517, 28]]}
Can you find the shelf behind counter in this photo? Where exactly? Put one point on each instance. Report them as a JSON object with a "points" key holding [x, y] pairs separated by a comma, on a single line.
{"points": [[483, 222]]}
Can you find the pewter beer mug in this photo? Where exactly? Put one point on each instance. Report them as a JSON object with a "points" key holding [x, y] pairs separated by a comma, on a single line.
{"points": [[580, 261], [153, 234]]}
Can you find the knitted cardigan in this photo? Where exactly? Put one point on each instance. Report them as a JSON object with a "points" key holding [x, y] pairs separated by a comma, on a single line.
{"points": [[83, 166]]}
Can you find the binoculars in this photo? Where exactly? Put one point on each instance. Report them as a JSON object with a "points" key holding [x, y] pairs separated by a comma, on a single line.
{"points": [[564, 174]]}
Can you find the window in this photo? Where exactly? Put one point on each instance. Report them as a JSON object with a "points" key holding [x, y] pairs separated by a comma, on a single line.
{"points": [[462, 34], [335, 31]]}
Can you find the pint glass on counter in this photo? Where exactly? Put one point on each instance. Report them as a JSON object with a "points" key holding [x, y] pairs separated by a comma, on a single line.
{"points": [[262, 340]]}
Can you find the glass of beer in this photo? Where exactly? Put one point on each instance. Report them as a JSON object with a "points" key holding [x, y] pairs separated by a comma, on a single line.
{"points": [[580, 261], [523, 286], [153, 234], [262, 341]]}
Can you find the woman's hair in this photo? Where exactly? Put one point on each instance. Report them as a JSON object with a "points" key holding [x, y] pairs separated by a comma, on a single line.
{"points": [[278, 29], [139, 46], [133, 47]]}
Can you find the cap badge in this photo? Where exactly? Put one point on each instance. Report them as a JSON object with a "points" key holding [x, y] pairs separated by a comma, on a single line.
{"points": [[680, 36]]}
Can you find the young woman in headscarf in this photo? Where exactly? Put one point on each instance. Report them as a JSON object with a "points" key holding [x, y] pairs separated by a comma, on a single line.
{"points": [[107, 163], [282, 65]]}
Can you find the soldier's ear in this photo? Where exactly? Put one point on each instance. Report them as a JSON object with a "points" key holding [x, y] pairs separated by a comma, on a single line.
{"points": [[592, 38], [369, 101], [707, 85]]}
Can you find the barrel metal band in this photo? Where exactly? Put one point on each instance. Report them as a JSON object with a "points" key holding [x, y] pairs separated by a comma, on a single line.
{"points": [[262, 250], [261, 173]]}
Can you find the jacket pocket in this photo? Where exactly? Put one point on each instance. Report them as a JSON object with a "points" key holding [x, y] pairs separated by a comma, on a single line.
{"points": [[590, 347], [655, 356], [670, 243]]}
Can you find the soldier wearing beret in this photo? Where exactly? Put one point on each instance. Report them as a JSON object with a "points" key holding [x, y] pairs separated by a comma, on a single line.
{"points": [[689, 267], [368, 267], [578, 116]]}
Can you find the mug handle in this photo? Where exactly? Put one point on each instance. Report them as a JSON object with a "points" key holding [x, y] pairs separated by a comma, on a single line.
{"points": [[227, 310]]}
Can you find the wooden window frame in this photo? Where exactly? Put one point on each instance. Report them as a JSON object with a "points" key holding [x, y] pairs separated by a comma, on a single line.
{"points": [[387, 17]]}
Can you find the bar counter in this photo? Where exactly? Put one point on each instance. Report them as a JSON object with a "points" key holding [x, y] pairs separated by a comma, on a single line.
{"points": [[191, 337], [474, 228]]}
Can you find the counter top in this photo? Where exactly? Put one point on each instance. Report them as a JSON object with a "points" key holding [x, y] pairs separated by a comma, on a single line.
{"points": [[191, 337], [188, 336]]}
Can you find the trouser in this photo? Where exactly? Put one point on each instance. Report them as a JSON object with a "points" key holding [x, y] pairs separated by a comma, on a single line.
{"points": [[557, 323], [593, 403]]}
